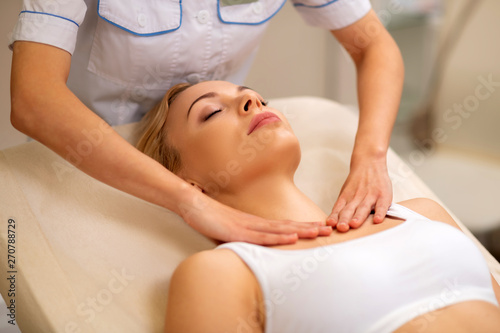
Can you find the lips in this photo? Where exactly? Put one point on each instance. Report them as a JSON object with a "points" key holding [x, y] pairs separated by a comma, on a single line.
{"points": [[262, 119]]}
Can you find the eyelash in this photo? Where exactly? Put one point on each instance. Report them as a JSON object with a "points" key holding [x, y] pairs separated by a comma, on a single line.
{"points": [[263, 102], [211, 114]]}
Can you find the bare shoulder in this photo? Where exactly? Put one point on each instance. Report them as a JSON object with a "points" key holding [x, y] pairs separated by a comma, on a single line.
{"points": [[213, 265], [203, 262], [214, 286], [430, 209]]}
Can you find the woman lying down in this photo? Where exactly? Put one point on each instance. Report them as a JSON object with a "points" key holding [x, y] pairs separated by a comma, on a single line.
{"points": [[407, 274]]}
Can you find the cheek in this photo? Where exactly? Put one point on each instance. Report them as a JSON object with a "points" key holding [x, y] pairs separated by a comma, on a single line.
{"points": [[228, 149], [211, 149]]}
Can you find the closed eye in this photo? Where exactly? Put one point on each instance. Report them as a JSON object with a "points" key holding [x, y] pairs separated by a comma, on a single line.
{"points": [[211, 114]]}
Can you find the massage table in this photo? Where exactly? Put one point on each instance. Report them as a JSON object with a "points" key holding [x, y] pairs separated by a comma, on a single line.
{"points": [[90, 258]]}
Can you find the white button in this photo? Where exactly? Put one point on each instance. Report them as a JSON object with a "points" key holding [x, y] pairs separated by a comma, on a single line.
{"points": [[138, 94], [203, 16], [257, 7], [193, 78], [142, 20]]}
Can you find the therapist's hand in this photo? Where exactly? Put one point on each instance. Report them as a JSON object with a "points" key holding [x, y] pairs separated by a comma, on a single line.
{"points": [[380, 74], [221, 222], [367, 187]]}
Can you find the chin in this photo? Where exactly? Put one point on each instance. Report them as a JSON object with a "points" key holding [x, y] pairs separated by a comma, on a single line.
{"points": [[287, 150], [279, 150]]}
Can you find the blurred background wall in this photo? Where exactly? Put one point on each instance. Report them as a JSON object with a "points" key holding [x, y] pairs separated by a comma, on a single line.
{"points": [[295, 59], [463, 168]]}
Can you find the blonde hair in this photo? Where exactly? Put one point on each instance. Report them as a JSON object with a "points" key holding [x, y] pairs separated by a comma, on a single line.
{"points": [[152, 133]]}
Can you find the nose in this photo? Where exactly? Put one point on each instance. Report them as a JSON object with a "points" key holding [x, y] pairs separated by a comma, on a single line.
{"points": [[249, 103]]}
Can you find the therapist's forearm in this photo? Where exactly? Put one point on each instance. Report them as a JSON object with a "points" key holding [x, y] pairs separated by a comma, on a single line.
{"points": [[46, 110], [380, 74]]}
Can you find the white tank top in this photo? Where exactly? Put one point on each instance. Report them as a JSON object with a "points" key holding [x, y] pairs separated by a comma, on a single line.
{"points": [[375, 283]]}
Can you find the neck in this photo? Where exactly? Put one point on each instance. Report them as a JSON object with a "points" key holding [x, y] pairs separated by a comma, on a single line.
{"points": [[274, 197]]}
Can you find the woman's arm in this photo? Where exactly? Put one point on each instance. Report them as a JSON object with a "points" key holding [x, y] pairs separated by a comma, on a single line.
{"points": [[380, 74], [45, 109], [214, 291], [434, 211]]}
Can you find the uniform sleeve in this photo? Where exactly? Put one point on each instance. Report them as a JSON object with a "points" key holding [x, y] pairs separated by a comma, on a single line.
{"points": [[331, 14], [50, 22]]}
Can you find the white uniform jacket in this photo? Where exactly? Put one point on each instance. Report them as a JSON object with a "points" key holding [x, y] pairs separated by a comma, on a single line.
{"points": [[127, 53]]}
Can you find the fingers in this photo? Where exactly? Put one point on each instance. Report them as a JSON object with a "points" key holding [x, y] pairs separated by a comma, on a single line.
{"points": [[333, 219], [264, 238], [381, 209], [302, 229], [354, 213], [227, 224], [366, 188], [325, 230], [269, 238], [347, 214], [361, 213]]}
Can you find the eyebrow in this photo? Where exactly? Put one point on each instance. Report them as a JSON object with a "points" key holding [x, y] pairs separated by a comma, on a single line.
{"points": [[210, 95]]}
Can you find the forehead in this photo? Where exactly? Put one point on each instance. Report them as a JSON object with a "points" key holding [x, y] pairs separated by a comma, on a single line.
{"points": [[189, 95]]}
